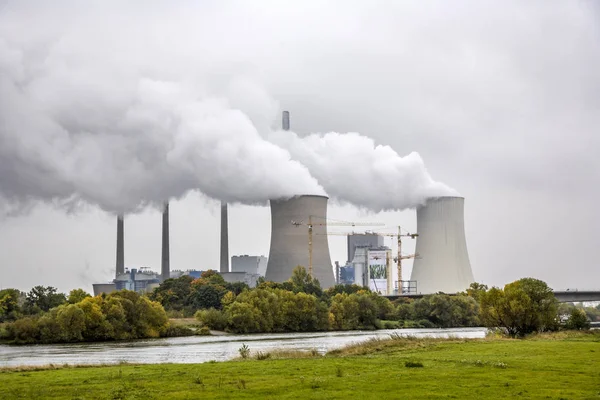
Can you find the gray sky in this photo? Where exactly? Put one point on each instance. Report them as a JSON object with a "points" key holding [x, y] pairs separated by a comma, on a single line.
{"points": [[500, 100]]}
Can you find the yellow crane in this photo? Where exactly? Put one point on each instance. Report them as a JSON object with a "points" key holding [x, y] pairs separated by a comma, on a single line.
{"points": [[397, 259], [400, 257], [310, 225]]}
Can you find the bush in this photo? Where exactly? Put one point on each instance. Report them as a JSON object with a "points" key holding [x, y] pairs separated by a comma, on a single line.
{"points": [[577, 320], [177, 331], [413, 364], [213, 319]]}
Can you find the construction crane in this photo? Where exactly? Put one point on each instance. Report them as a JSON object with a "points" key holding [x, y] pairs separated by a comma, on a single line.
{"points": [[310, 225], [400, 257]]}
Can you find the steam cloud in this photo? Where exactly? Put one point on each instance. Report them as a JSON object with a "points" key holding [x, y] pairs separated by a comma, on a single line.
{"points": [[353, 169], [122, 118]]}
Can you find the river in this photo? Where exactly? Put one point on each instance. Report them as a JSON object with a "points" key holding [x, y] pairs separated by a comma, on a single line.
{"points": [[198, 349]]}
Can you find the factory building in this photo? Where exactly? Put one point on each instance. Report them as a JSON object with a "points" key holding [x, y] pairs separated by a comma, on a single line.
{"points": [[249, 264], [370, 240], [443, 263], [372, 268]]}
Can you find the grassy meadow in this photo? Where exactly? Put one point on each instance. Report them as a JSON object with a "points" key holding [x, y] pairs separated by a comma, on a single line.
{"points": [[555, 366]]}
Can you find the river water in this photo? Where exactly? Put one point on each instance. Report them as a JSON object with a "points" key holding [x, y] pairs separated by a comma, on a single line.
{"points": [[198, 349]]}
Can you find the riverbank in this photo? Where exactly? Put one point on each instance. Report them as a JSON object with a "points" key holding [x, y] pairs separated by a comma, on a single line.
{"points": [[563, 365]]}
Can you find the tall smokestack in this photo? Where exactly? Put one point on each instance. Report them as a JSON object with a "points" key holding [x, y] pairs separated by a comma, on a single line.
{"points": [[120, 267], [443, 263], [285, 121], [224, 239], [165, 266], [290, 242]]}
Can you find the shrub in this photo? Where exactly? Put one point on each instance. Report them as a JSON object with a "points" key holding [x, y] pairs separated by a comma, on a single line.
{"points": [[413, 364], [213, 319], [244, 351], [577, 320], [177, 331]]}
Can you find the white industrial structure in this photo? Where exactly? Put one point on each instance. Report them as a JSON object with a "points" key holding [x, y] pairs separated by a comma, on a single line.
{"points": [[249, 264], [299, 237], [443, 263]]}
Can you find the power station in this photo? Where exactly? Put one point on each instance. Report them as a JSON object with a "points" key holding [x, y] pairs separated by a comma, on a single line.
{"points": [[299, 238]]}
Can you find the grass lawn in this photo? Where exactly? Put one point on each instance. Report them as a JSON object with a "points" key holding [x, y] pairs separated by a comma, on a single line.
{"points": [[564, 365]]}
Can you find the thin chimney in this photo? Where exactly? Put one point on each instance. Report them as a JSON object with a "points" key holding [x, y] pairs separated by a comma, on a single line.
{"points": [[120, 267], [224, 239], [285, 121], [165, 265]]}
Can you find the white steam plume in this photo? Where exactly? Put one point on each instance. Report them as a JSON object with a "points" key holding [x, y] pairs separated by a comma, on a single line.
{"points": [[353, 169], [96, 109]]}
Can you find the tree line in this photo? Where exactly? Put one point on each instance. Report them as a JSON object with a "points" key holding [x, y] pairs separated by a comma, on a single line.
{"points": [[298, 305]]}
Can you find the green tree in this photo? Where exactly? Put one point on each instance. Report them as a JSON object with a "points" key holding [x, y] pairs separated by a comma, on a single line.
{"points": [[475, 290], [9, 305], [43, 298], [206, 296], [77, 295], [301, 281], [577, 320], [522, 307]]}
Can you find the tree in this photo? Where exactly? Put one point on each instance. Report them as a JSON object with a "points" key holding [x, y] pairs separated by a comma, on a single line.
{"points": [[77, 295], [43, 298], [476, 289], [9, 304], [302, 282], [577, 320], [522, 307], [206, 296]]}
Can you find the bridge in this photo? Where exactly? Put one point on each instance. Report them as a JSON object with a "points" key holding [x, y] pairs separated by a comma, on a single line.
{"points": [[563, 296]]}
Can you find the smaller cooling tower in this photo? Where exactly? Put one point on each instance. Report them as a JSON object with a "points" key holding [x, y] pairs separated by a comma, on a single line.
{"points": [[289, 242], [443, 263]]}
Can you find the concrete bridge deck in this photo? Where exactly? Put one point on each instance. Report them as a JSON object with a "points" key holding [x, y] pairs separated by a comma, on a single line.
{"points": [[563, 296]]}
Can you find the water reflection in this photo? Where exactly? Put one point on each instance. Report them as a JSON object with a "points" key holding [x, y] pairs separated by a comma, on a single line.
{"points": [[198, 349]]}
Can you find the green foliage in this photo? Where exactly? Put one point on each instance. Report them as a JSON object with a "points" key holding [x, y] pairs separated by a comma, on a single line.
{"points": [[212, 318], [9, 305], [301, 281], [446, 311], [77, 295], [348, 289], [244, 351], [354, 311], [577, 320], [413, 364], [43, 298], [205, 295], [522, 307], [276, 310], [120, 315], [475, 290]]}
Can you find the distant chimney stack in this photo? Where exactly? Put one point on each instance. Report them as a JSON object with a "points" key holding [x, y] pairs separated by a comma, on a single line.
{"points": [[285, 121], [224, 239], [120, 267], [165, 266]]}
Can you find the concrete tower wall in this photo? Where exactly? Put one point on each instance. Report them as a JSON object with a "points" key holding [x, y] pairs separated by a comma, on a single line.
{"points": [[289, 243], [443, 263], [120, 264], [224, 239], [165, 266]]}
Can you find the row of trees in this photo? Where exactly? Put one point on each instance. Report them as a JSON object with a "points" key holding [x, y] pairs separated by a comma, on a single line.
{"points": [[301, 305], [117, 316]]}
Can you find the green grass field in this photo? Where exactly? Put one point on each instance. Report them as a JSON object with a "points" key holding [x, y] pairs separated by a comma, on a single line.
{"points": [[560, 366]]}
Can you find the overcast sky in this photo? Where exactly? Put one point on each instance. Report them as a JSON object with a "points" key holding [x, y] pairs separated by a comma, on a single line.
{"points": [[499, 98]]}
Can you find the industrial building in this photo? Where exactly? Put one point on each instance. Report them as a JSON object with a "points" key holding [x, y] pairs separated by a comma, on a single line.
{"points": [[299, 237], [249, 264], [370, 240], [443, 263]]}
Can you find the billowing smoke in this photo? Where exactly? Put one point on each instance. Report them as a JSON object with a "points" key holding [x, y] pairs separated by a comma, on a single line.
{"points": [[97, 106], [92, 109], [353, 169]]}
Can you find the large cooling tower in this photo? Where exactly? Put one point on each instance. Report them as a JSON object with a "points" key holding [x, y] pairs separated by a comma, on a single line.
{"points": [[442, 264], [290, 242]]}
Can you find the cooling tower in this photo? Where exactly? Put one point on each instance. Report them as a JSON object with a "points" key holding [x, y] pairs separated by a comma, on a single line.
{"points": [[165, 269], [224, 239], [442, 264], [290, 242], [120, 267]]}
